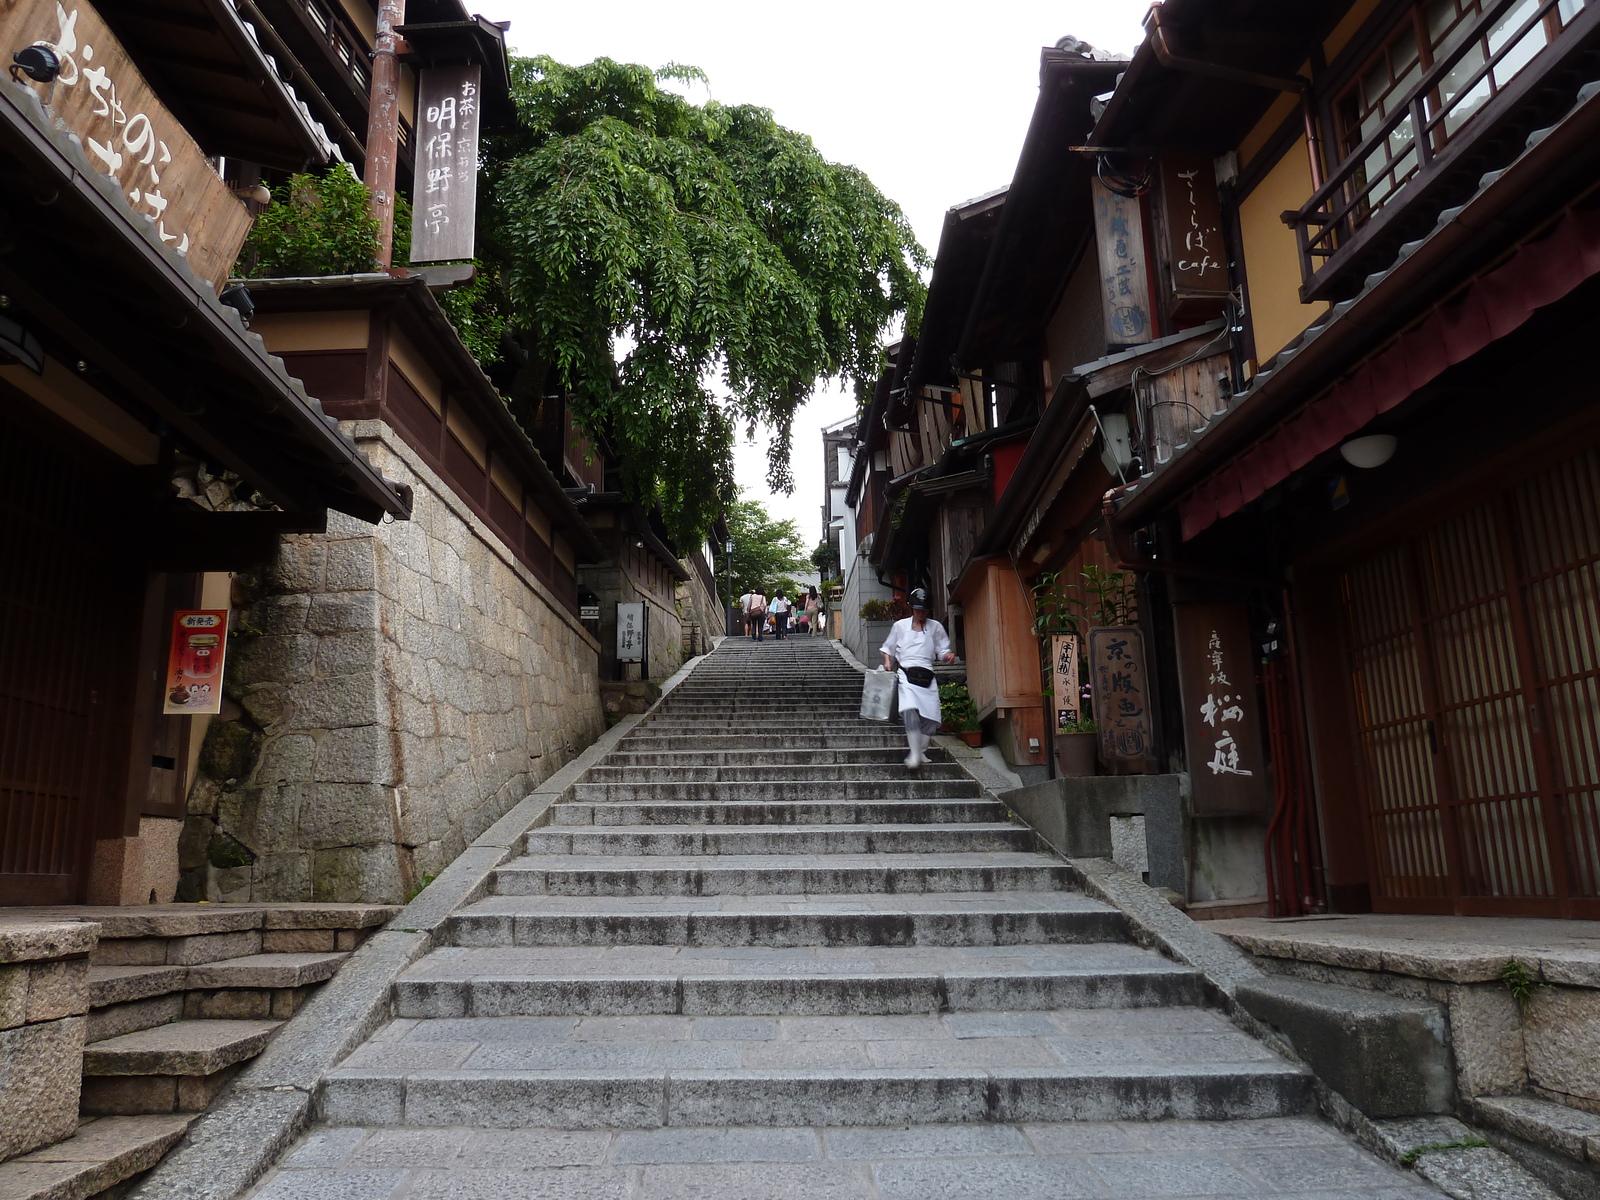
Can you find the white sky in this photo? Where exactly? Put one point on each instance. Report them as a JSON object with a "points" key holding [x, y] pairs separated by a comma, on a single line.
{"points": [[931, 100]]}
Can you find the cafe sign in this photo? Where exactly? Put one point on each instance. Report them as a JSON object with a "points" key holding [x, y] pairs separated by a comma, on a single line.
{"points": [[445, 189], [99, 97]]}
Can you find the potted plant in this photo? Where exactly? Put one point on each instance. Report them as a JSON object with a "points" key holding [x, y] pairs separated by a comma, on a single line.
{"points": [[960, 713], [1071, 607]]}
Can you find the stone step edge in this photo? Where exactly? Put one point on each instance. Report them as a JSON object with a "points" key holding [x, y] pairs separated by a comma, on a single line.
{"points": [[104, 1152], [166, 1050], [752, 993], [130, 983], [646, 1099]]}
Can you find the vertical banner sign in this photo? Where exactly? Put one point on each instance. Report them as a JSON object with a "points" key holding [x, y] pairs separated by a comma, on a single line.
{"points": [[630, 632], [1124, 286], [1120, 689], [1064, 679], [1221, 720], [193, 681], [1197, 266], [445, 191], [127, 134]]}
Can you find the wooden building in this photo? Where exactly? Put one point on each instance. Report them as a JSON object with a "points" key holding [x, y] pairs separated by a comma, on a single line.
{"points": [[1393, 513], [119, 370]]}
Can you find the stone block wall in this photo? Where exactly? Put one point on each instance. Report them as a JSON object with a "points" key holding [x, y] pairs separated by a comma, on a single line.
{"points": [[44, 994], [391, 691]]}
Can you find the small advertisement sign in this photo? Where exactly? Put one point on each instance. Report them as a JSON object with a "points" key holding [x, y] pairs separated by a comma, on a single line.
{"points": [[193, 682], [630, 632], [1064, 681]]}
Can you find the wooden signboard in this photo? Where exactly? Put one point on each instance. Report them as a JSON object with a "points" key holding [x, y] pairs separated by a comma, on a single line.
{"points": [[631, 632], [1066, 700], [445, 191], [1124, 285], [1221, 720], [1123, 713], [1194, 259], [127, 134]]}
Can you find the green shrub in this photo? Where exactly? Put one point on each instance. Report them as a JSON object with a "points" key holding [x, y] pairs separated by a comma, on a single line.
{"points": [[957, 708], [316, 225]]}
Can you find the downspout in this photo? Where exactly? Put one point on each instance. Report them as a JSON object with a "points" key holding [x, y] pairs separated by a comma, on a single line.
{"points": [[1174, 61]]}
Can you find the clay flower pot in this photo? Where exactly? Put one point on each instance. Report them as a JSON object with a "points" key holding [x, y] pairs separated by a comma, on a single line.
{"points": [[1076, 754]]}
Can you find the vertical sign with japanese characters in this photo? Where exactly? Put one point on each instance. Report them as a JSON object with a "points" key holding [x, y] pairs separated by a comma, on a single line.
{"points": [[1196, 262], [100, 97], [1221, 720], [630, 632], [445, 192], [1064, 681], [1124, 286], [1119, 686]]}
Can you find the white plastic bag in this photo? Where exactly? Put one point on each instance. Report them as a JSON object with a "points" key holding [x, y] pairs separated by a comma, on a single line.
{"points": [[877, 695]]}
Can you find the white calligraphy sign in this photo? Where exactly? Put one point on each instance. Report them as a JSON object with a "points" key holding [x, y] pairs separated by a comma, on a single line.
{"points": [[127, 134], [445, 190]]}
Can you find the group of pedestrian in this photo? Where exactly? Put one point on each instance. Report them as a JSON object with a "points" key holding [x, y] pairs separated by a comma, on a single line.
{"points": [[762, 616]]}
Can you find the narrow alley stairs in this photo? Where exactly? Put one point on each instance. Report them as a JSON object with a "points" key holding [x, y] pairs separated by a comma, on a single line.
{"points": [[754, 956]]}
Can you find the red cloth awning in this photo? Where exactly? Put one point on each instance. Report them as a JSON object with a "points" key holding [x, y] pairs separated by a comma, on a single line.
{"points": [[1492, 306]]}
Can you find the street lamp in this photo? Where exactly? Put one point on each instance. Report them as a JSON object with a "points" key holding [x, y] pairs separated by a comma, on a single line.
{"points": [[727, 553]]}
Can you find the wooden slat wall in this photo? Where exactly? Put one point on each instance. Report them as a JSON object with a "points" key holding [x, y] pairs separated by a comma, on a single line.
{"points": [[1475, 659]]}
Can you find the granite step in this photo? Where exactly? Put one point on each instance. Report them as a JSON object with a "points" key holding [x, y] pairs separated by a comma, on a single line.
{"points": [[644, 1072], [890, 770], [105, 1152], [881, 736], [813, 980], [908, 787], [777, 874], [925, 919], [775, 812], [779, 839], [807, 758], [177, 1067]]}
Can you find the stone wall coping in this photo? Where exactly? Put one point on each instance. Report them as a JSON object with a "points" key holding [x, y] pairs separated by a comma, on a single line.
{"points": [[379, 431], [1446, 949], [274, 1100], [189, 920], [38, 940]]}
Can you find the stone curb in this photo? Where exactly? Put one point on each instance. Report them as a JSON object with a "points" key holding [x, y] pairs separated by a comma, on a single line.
{"points": [[273, 1102]]}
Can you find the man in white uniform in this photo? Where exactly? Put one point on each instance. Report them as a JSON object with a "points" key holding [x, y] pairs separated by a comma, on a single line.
{"points": [[917, 642]]}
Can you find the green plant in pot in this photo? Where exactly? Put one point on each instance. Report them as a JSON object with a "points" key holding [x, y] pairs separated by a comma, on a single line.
{"points": [[960, 713], [1066, 605]]}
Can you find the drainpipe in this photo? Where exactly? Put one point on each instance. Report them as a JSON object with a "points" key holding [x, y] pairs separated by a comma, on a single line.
{"points": [[1174, 61]]}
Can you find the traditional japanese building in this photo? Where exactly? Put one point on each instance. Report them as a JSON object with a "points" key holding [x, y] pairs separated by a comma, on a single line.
{"points": [[1391, 513]]}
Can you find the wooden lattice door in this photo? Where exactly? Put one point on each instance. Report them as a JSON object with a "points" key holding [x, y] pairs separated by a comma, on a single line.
{"points": [[1475, 663]]}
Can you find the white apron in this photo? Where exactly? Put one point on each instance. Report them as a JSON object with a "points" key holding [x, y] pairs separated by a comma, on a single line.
{"points": [[914, 648]]}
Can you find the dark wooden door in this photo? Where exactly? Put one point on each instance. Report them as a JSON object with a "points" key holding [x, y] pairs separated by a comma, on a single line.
{"points": [[65, 569], [1475, 664]]}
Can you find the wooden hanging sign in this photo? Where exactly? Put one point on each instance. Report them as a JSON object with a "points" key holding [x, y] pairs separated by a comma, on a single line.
{"points": [[1123, 712]]}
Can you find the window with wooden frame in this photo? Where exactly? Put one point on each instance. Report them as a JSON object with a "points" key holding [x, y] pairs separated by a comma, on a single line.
{"points": [[1499, 44]]}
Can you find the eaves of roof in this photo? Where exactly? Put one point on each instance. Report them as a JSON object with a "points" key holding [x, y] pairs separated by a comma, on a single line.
{"points": [[193, 317], [419, 312], [1464, 238]]}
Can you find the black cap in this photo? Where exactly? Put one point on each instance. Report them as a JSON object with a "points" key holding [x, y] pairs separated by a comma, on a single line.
{"points": [[919, 599]]}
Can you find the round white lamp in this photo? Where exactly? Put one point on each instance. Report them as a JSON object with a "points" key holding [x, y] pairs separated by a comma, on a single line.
{"points": [[1371, 451]]}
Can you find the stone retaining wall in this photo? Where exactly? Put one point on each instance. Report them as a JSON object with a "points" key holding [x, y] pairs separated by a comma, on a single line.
{"points": [[392, 691]]}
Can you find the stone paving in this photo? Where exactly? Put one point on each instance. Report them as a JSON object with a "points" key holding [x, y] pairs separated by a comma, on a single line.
{"points": [[716, 973], [1294, 1158]]}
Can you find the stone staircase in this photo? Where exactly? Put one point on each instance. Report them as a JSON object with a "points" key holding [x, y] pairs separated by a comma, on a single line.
{"points": [[748, 930], [174, 1000]]}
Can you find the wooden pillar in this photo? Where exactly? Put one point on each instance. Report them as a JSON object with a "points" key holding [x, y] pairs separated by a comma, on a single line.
{"points": [[383, 125]]}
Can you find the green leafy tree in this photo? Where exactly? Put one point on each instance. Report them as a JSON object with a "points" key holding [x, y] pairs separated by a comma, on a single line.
{"points": [[683, 270], [765, 552]]}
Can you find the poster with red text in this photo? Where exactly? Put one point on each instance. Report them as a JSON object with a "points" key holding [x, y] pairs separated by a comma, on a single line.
{"points": [[193, 681]]}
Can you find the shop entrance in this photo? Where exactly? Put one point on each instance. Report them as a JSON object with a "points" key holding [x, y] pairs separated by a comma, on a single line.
{"points": [[1474, 654], [65, 569]]}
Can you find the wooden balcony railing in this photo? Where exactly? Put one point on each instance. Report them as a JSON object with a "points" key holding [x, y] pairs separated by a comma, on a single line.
{"points": [[1426, 131]]}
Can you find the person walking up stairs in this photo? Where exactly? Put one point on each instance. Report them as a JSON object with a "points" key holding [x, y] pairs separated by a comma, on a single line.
{"points": [[756, 965]]}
